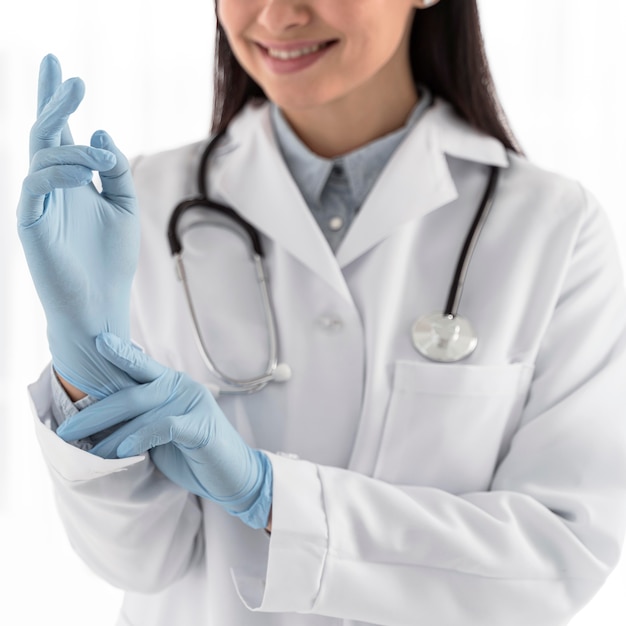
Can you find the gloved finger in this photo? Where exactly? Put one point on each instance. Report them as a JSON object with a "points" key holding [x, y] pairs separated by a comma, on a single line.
{"points": [[187, 431], [92, 158], [105, 449], [113, 410], [61, 167], [125, 355], [117, 183], [154, 422], [49, 81], [36, 187], [47, 129], [147, 437]]}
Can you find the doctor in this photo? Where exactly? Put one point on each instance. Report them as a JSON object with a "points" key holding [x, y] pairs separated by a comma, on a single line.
{"points": [[392, 489]]}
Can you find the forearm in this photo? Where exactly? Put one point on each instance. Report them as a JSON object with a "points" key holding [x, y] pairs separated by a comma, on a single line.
{"points": [[352, 547]]}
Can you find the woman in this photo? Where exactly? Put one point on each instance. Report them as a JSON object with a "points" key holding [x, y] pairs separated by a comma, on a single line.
{"points": [[393, 489]]}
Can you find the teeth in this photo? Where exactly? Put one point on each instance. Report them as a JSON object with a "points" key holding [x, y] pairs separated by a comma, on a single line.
{"points": [[285, 55]]}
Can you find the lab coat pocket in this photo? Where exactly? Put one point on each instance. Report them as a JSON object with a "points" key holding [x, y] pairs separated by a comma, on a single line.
{"points": [[448, 425]]}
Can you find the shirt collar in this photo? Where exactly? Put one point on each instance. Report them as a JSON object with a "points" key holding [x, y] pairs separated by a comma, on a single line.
{"points": [[361, 166], [417, 179]]}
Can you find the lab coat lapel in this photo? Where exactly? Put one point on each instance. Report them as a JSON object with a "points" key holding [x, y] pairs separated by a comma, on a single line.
{"points": [[417, 179], [267, 196]]}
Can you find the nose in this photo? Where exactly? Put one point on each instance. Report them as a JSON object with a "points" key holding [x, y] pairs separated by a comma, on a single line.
{"points": [[278, 16]]}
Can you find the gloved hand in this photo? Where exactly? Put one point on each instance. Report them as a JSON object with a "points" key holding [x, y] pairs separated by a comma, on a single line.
{"points": [[81, 246], [179, 422]]}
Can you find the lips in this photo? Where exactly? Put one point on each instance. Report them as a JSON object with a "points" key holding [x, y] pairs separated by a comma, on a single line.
{"points": [[283, 58], [295, 53]]}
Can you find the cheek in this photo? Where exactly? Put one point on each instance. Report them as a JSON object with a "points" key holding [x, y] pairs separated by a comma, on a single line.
{"points": [[221, 12], [233, 24], [232, 16], [366, 55]]}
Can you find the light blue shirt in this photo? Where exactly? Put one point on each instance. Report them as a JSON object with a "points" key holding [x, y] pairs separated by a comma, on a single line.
{"points": [[335, 189]]}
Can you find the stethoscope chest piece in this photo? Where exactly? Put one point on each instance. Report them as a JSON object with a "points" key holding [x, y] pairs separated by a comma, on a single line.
{"points": [[443, 337]]}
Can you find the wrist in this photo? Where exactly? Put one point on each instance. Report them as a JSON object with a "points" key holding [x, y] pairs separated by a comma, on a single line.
{"points": [[81, 370], [74, 393], [258, 514]]}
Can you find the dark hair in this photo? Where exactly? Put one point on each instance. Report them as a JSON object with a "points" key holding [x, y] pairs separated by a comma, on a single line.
{"points": [[447, 55]]}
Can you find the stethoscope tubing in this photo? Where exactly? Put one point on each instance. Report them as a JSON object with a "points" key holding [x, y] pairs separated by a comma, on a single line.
{"points": [[258, 254], [458, 280], [238, 385], [425, 342], [447, 337]]}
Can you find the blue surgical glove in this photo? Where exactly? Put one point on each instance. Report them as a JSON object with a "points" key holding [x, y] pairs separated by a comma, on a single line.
{"points": [[81, 245], [189, 438]]}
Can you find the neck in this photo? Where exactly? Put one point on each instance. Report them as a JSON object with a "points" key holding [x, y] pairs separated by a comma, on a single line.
{"points": [[345, 125]]}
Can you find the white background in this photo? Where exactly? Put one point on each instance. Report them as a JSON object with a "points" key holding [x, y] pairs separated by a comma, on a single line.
{"points": [[560, 70]]}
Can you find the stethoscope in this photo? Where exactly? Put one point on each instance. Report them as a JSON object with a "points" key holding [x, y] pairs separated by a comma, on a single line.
{"points": [[443, 337]]}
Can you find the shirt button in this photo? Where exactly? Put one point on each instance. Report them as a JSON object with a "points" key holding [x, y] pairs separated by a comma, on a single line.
{"points": [[335, 223]]}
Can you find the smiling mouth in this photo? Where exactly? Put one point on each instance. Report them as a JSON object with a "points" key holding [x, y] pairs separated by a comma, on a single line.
{"points": [[288, 55]]}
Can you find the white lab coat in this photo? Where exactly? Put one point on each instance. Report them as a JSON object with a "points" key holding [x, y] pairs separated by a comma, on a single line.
{"points": [[486, 492]]}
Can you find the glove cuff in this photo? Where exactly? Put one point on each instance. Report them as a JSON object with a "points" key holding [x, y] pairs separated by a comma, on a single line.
{"points": [[257, 515]]}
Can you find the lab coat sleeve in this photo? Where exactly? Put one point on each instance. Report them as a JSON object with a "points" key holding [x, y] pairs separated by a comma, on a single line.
{"points": [[531, 550], [130, 525]]}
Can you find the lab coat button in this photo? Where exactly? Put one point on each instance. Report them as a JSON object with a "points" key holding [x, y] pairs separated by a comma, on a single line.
{"points": [[331, 324]]}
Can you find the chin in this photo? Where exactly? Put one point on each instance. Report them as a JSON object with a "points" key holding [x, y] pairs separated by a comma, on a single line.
{"points": [[301, 101]]}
